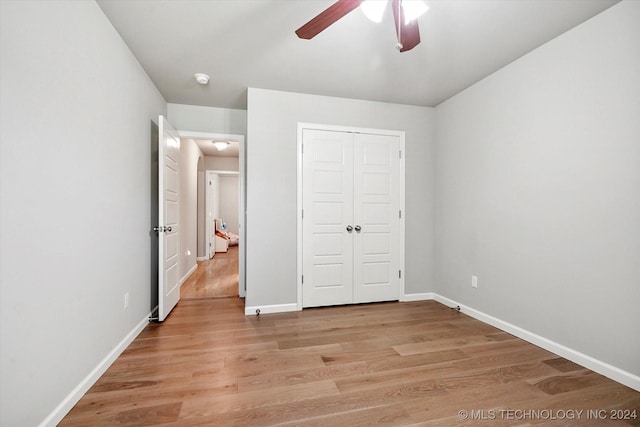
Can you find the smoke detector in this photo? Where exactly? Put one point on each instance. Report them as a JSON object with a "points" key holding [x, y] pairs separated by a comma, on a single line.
{"points": [[201, 78]]}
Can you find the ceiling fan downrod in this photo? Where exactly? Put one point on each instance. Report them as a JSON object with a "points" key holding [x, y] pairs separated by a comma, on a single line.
{"points": [[398, 17]]}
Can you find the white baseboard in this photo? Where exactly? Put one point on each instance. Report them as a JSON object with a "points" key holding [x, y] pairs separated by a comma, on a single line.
{"points": [[202, 258], [189, 273], [603, 368], [417, 297], [76, 394], [266, 309]]}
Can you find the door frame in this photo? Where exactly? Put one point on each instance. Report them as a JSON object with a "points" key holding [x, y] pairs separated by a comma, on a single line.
{"points": [[315, 126], [210, 244], [242, 207]]}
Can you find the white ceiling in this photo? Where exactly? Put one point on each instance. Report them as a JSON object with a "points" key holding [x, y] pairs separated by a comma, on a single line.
{"points": [[251, 43]]}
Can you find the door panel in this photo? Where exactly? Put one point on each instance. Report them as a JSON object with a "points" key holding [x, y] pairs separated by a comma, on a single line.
{"points": [[376, 243], [168, 216], [376, 184], [376, 210], [327, 248]]}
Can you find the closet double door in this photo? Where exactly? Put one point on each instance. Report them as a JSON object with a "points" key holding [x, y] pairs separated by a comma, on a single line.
{"points": [[351, 250]]}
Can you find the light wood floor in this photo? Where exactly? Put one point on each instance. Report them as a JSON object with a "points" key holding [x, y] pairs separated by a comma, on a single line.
{"points": [[417, 363], [214, 278]]}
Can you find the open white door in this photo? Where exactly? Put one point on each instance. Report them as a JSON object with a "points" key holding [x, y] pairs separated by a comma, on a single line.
{"points": [[213, 210], [168, 214]]}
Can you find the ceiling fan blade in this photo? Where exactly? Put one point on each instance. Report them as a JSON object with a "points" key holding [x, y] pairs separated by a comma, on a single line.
{"points": [[408, 34], [326, 18]]}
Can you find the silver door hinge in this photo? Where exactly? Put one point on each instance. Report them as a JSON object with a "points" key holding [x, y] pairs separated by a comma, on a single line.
{"points": [[302, 148], [302, 213], [399, 274], [400, 154], [400, 214], [303, 279]]}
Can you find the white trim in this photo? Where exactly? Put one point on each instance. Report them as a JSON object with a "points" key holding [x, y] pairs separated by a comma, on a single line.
{"points": [[299, 201], [266, 309], [202, 258], [210, 245], [417, 297], [603, 368], [350, 129], [402, 246], [210, 135], [242, 220], [299, 220], [76, 394], [224, 173], [189, 273]]}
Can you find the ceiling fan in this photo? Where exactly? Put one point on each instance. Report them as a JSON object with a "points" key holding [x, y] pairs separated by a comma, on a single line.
{"points": [[405, 13]]}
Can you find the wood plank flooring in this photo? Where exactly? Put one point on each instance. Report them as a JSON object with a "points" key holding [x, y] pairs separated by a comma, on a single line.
{"points": [[214, 278], [401, 364]]}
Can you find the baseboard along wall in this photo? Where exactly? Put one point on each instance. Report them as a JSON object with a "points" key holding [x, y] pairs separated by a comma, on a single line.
{"points": [[76, 394]]}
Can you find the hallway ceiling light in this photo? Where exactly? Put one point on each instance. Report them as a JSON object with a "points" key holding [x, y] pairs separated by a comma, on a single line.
{"points": [[220, 145]]}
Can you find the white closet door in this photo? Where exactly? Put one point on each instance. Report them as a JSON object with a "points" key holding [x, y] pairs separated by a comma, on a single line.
{"points": [[376, 218], [328, 209]]}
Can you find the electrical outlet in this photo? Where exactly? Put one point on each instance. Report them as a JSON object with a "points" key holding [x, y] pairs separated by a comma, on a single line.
{"points": [[474, 281], [126, 300]]}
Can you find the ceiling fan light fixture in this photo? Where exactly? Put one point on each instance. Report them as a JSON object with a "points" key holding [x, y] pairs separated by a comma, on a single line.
{"points": [[220, 145], [413, 9], [374, 9]]}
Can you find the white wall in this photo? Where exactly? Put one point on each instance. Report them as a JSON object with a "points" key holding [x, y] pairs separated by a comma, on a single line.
{"points": [[229, 198], [76, 113], [221, 163], [538, 190], [189, 155], [207, 119], [272, 177]]}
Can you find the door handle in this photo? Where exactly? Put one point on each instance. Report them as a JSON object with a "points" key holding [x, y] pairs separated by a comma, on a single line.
{"points": [[358, 228], [349, 228], [168, 228], [158, 229]]}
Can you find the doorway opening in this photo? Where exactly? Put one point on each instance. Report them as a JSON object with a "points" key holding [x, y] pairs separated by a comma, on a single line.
{"points": [[220, 218]]}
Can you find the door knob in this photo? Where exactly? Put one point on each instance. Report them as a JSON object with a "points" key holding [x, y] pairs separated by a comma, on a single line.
{"points": [[168, 228], [349, 228], [358, 228], [159, 229]]}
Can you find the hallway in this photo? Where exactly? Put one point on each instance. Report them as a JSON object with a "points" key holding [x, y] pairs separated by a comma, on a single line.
{"points": [[215, 278]]}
